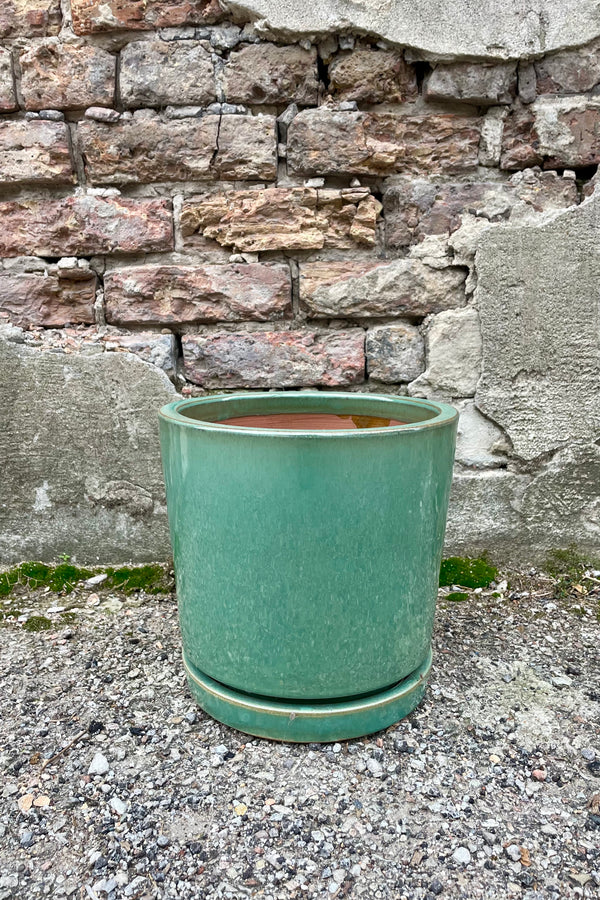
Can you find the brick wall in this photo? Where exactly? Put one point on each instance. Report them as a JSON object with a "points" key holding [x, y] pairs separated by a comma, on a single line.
{"points": [[247, 213]]}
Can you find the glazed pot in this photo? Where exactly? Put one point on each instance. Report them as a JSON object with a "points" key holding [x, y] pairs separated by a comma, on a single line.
{"points": [[307, 533]]}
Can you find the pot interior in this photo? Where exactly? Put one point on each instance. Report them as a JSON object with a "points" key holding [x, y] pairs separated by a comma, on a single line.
{"points": [[311, 421], [300, 411]]}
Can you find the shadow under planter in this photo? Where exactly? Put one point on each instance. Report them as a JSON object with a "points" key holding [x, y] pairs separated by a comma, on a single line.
{"points": [[307, 533]]}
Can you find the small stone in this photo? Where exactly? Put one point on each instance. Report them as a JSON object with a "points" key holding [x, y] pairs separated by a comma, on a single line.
{"points": [[52, 115], [183, 112], [99, 765], [240, 809], [562, 681], [436, 887], [118, 806], [539, 775], [191, 716], [26, 839], [101, 114], [336, 748], [589, 753], [95, 580], [375, 768], [513, 851], [462, 856], [162, 840], [285, 119], [225, 37]]}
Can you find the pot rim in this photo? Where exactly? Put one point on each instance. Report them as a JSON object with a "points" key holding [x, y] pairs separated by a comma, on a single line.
{"points": [[443, 414]]}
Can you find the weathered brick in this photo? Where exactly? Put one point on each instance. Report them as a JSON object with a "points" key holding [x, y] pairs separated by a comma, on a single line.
{"points": [[274, 359], [283, 218], [554, 132], [29, 18], [482, 84], [146, 149], [267, 73], [34, 152], [417, 208], [405, 287], [156, 73], [395, 353], [158, 349], [84, 226], [372, 76], [33, 300], [569, 71], [66, 76], [247, 148], [8, 100], [189, 295], [325, 141], [520, 140], [115, 15]]}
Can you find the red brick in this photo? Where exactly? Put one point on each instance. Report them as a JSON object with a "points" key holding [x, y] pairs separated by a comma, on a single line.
{"points": [[372, 76], [417, 208], [188, 295], [33, 300], [146, 149], [267, 73], [283, 218], [115, 15], [29, 18], [328, 142], [405, 287], [156, 73], [520, 141], [35, 152], [66, 76], [84, 226], [274, 359]]}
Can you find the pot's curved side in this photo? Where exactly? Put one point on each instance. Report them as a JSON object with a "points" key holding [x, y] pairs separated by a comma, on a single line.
{"points": [[306, 568]]}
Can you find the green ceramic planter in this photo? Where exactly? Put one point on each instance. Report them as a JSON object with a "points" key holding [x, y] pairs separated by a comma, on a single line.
{"points": [[307, 537]]}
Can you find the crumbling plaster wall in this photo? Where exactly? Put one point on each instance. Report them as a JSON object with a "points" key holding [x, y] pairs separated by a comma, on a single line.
{"points": [[388, 197]]}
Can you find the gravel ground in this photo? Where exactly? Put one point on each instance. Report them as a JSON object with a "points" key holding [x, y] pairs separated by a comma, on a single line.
{"points": [[116, 785]]}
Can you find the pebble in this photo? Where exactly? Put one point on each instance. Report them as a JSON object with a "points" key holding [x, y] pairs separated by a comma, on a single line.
{"points": [[99, 765], [513, 852], [375, 767], [26, 839], [589, 753], [118, 805], [95, 580], [462, 856], [100, 114], [562, 681]]}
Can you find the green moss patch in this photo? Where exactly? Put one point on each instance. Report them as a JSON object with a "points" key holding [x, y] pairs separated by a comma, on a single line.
{"points": [[63, 578], [568, 567], [32, 575], [457, 597], [466, 572], [152, 579], [37, 623]]}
